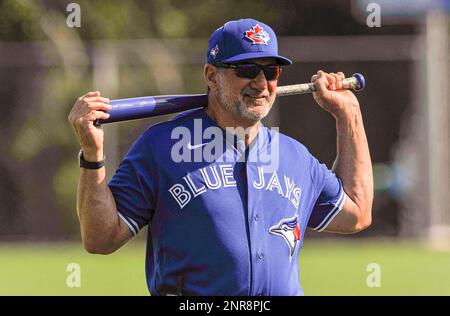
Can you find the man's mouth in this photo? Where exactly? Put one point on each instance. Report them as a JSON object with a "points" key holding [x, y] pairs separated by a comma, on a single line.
{"points": [[256, 97]]}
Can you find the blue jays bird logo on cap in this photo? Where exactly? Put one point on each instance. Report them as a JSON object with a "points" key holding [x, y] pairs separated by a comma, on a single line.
{"points": [[257, 35], [214, 51], [290, 231]]}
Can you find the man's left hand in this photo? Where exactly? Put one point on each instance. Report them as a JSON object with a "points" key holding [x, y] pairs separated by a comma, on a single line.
{"points": [[330, 95]]}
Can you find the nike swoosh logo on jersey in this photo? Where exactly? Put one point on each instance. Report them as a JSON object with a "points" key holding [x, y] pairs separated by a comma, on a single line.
{"points": [[191, 147]]}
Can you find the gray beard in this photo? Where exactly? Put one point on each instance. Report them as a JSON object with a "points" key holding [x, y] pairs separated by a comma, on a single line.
{"points": [[239, 109]]}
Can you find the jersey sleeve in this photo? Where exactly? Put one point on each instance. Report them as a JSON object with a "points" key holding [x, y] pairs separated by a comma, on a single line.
{"points": [[133, 185], [330, 194]]}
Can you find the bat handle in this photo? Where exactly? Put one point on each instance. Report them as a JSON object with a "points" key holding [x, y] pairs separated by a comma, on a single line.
{"points": [[361, 81], [355, 82]]}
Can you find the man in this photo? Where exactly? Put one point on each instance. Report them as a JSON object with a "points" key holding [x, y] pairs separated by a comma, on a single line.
{"points": [[225, 226]]}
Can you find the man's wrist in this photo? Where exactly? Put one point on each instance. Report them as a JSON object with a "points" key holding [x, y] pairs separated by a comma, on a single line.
{"points": [[93, 155], [89, 163], [347, 112]]}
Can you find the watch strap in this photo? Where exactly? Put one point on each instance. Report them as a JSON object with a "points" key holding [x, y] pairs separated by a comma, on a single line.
{"points": [[90, 164]]}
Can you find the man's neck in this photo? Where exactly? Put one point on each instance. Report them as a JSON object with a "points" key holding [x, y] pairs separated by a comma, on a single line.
{"points": [[225, 119]]}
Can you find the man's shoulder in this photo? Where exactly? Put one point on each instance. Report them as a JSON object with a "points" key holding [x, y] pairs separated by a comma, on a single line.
{"points": [[165, 129], [287, 142]]}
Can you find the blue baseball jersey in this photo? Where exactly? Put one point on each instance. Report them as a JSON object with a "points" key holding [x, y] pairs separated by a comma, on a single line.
{"points": [[231, 225]]}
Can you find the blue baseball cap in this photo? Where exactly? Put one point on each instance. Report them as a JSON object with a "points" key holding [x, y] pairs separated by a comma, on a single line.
{"points": [[242, 40]]}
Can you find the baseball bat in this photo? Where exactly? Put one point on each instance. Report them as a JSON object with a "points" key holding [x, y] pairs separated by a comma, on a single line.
{"points": [[143, 107]]}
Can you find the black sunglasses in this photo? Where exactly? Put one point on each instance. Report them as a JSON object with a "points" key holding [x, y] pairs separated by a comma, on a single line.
{"points": [[251, 71]]}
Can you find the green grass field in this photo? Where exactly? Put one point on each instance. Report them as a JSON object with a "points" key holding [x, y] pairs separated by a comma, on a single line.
{"points": [[328, 268]]}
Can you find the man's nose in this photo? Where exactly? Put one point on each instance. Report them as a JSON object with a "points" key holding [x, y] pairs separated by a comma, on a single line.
{"points": [[260, 82]]}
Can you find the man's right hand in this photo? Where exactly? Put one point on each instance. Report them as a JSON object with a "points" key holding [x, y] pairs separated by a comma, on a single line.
{"points": [[84, 113]]}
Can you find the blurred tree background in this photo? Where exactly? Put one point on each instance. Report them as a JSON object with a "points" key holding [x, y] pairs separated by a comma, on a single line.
{"points": [[160, 47]]}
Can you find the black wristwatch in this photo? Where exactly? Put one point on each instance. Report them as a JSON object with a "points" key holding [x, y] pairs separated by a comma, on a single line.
{"points": [[89, 164]]}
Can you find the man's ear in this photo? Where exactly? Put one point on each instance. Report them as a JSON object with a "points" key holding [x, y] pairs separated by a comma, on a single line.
{"points": [[211, 76]]}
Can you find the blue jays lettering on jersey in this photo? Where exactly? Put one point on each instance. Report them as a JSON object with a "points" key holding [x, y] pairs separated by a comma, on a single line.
{"points": [[224, 227]]}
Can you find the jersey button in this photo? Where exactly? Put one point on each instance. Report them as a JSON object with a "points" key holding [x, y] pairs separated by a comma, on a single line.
{"points": [[260, 256], [256, 218]]}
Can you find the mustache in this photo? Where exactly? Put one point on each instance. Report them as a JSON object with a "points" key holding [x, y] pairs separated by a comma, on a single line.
{"points": [[254, 93]]}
